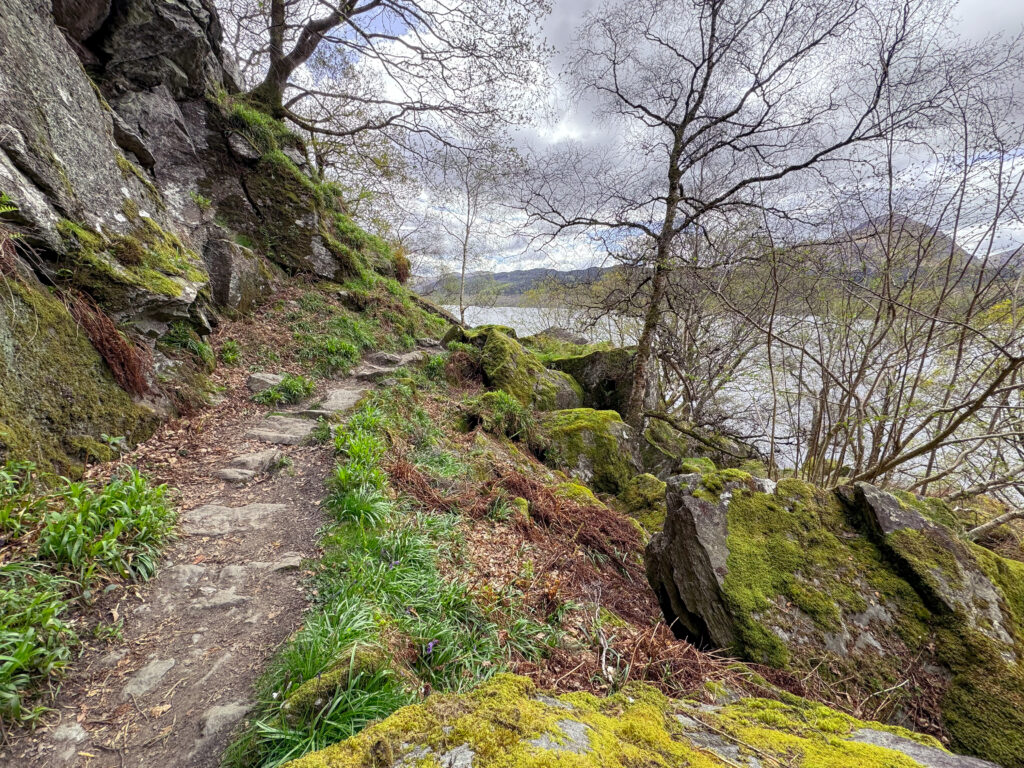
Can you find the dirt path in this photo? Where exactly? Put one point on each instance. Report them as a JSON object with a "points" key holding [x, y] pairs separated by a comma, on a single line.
{"points": [[198, 636]]}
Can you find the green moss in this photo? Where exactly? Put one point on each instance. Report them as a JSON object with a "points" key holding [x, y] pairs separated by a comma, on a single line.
{"points": [[112, 269], [505, 725], [591, 445], [700, 464], [797, 544], [644, 499], [577, 492], [57, 396], [129, 170], [509, 367]]}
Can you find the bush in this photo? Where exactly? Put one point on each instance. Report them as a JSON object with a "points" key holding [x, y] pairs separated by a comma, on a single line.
{"points": [[292, 389], [230, 352]]}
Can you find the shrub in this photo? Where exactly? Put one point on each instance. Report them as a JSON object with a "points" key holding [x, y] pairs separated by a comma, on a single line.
{"points": [[292, 389], [183, 336]]}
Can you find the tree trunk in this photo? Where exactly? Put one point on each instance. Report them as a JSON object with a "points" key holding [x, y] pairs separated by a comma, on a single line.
{"points": [[976, 533]]}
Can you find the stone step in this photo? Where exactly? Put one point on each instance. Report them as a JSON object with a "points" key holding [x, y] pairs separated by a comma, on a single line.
{"points": [[215, 520], [282, 430], [247, 466]]}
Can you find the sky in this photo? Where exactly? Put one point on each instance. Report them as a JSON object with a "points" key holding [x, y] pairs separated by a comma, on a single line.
{"points": [[974, 19]]}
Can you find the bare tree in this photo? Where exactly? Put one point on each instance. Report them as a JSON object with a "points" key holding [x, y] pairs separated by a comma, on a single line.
{"points": [[340, 68], [716, 100]]}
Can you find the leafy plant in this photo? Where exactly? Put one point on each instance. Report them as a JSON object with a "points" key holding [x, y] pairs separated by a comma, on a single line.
{"points": [[291, 389], [230, 352], [183, 336], [65, 536]]}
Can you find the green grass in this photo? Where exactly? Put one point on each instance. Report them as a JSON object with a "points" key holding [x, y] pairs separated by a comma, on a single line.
{"points": [[65, 539], [378, 586], [292, 389]]}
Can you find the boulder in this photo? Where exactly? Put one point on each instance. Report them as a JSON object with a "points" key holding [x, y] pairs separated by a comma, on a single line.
{"points": [[665, 450], [596, 447], [259, 381], [507, 721], [239, 278], [644, 499], [606, 377], [794, 576]]}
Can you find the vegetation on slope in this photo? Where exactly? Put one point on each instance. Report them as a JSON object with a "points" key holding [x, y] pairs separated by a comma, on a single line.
{"points": [[63, 543]]}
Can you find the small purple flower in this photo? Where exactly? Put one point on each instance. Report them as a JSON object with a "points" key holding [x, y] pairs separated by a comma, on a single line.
{"points": [[430, 647]]}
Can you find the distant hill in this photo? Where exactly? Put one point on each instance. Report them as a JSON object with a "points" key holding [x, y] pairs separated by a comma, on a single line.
{"points": [[508, 286]]}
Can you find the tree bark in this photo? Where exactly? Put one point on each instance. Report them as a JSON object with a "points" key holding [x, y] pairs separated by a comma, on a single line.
{"points": [[976, 533]]}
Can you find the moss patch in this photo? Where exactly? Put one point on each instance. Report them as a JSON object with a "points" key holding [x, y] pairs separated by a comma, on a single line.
{"points": [[593, 446], [644, 499], [505, 724], [57, 396]]}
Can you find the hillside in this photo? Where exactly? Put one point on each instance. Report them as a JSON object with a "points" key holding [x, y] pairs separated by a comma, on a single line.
{"points": [[508, 287], [261, 505]]}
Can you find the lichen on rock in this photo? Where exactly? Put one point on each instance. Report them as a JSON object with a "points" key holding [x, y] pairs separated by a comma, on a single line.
{"points": [[507, 723]]}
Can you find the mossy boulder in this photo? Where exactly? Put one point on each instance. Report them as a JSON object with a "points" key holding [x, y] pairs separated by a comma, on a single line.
{"points": [[606, 377], [596, 447], [508, 366], [507, 722], [57, 396], [644, 499], [861, 584]]}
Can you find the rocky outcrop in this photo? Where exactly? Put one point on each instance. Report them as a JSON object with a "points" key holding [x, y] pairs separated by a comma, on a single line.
{"points": [[861, 581], [607, 378], [596, 447], [142, 180], [508, 722]]}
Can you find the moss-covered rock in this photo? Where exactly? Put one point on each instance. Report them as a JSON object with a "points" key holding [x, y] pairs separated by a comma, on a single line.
{"points": [[644, 499], [791, 575], [507, 723], [606, 376], [665, 450], [57, 396], [596, 447]]}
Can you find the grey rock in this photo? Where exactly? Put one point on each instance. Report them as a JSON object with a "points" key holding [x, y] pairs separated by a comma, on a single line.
{"points": [[147, 678], [80, 19], [341, 399], [165, 42], [283, 430], [367, 372], [258, 382], [232, 475], [686, 564], [460, 757], [607, 379], [128, 139], [242, 148], [384, 358], [574, 737], [238, 277], [219, 599], [67, 739], [223, 716], [215, 520], [929, 757], [258, 462]]}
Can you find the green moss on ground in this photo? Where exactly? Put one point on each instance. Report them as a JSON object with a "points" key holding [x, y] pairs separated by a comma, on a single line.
{"points": [[57, 396]]}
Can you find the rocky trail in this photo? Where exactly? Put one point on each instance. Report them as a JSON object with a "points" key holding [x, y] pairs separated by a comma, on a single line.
{"points": [[197, 637]]}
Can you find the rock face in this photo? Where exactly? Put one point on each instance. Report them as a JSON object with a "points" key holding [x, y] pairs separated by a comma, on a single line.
{"points": [[508, 722], [862, 582], [607, 378], [150, 186]]}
